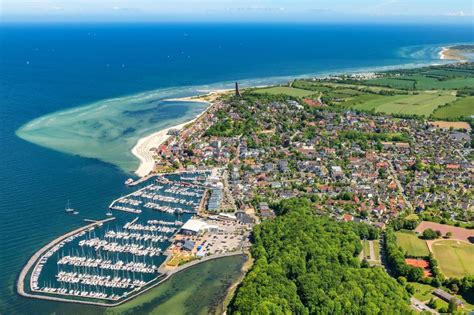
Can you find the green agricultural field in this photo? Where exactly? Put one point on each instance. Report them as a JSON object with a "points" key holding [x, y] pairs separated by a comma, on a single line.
{"points": [[359, 102], [396, 83], [422, 104], [422, 82], [463, 107], [285, 90], [428, 83], [411, 244], [454, 258], [311, 86]]}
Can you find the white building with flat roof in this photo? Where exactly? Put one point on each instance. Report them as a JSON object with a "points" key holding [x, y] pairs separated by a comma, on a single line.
{"points": [[194, 227]]}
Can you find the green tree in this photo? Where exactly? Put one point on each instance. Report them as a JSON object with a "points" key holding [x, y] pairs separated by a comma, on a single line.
{"points": [[429, 234], [452, 306], [313, 269]]}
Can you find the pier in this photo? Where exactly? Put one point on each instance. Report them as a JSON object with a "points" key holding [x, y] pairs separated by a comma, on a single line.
{"points": [[148, 286], [179, 195], [39, 254]]}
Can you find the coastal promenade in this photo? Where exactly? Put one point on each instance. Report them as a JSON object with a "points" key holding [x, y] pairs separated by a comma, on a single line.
{"points": [[31, 262]]}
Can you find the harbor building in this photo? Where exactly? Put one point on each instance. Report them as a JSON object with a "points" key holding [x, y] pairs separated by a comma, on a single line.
{"points": [[215, 199], [193, 227]]}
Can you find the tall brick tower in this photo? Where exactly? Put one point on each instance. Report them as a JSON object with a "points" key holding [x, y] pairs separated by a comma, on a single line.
{"points": [[237, 91]]}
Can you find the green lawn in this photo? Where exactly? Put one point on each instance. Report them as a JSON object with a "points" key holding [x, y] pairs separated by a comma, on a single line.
{"points": [[422, 104], [366, 249], [455, 258], [440, 304], [411, 244], [285, 90], [463, 107], [377, 249], [422, 291]]}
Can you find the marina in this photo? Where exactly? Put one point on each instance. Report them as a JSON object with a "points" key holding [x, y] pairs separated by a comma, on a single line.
{"points": [[173, 194], [110, 260]]}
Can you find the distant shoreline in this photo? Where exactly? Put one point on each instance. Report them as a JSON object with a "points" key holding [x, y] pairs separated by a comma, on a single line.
{"points": [[144, 146], [449, 53], [144, 157]]}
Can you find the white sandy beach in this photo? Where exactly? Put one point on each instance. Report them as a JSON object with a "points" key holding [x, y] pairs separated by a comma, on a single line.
{"points": [[143, 149], [442, 55], [448, 53]]}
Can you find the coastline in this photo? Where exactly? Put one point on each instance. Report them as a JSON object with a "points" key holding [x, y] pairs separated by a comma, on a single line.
{"points": [[143, 148], [450, 54], [96, 147], [442, 53]]}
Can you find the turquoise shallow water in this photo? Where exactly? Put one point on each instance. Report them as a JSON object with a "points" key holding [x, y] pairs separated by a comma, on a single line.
{"points": [[107, 130], [48, 69]]}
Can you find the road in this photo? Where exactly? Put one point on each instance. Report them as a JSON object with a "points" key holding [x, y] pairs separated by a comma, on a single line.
{"points": [[420, 306], [399, 185]]}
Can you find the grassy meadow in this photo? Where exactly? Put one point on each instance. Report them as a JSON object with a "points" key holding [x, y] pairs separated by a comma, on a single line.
{"points": [[412, 244], [422, 104], [420, 92], [463, 107], [455, 258], [286, 90]]}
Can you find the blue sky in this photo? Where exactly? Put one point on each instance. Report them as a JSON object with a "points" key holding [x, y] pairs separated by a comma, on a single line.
{"points": [[456, 11]]}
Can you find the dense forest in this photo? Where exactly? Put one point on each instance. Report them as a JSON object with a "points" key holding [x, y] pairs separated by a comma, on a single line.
{"points": [[307, 264]]}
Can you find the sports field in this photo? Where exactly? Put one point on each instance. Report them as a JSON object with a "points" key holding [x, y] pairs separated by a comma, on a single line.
{"points": [[463, 107], [411, 244], [422, 104], [286, 91], [455, 258]]}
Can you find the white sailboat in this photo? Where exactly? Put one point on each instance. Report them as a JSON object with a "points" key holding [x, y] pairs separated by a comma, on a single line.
{"points": [[68, 207]]}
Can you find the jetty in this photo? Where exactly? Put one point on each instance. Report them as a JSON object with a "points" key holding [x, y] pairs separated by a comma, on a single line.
{"points": [[166, 275], [35, 259]]}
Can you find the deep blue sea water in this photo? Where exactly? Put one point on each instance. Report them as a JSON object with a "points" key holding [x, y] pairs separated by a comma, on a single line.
{"points": [[47, 68]]}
